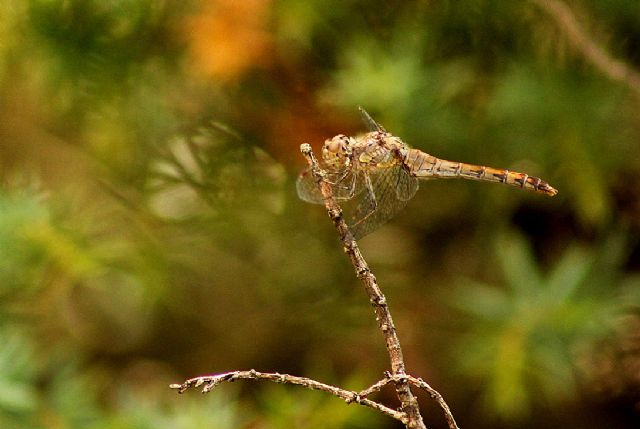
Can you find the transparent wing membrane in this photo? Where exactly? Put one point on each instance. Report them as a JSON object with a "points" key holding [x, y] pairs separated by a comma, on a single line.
{"points": [[344, 186], [371, 124], [308, 188], [392, 188]]}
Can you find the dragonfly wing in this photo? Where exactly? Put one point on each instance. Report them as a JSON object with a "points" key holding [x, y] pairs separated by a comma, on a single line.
{"points": [[392, 188], [406, 186], [343, 186], [308, 188], [371, 124]]}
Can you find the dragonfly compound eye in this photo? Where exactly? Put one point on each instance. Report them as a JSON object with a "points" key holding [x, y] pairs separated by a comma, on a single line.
{"points": [[336, 144]]}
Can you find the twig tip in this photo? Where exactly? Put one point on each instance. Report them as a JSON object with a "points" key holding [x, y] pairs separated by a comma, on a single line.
{"points": [[305, 148]]}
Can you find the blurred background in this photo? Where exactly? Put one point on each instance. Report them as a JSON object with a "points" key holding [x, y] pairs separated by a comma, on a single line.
{"points": [[150, 229]]}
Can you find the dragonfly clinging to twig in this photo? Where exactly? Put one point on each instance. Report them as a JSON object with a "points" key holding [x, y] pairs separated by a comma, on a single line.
{"points": [[380, 173]]}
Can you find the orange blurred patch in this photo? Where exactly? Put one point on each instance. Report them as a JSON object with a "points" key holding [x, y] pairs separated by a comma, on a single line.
{"points": [[298, 122], [229, 37]]}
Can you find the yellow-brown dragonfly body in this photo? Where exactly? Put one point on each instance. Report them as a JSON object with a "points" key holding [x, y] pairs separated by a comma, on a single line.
{"points": [[380, 172]]}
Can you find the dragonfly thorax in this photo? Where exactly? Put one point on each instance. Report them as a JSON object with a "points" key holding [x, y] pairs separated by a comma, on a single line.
{"points": [[380, 149], [338, 151]]}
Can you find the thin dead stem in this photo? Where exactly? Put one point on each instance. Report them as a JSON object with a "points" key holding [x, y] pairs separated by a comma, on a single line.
{"points": [[409, 411], [614, 69], [409, 403], [421, 384], [208, 382]]}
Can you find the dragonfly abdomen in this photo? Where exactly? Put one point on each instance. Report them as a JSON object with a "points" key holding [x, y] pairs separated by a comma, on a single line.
{"points": [[423, 165]]}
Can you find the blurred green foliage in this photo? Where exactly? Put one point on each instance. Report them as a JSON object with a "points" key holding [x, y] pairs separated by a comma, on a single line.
{"points": [[150, 231], [523, 335]]}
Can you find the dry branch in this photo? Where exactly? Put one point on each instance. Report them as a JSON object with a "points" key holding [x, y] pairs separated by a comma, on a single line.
{"points": [[208, 382], [435, 395], [377, 299], [409, 411], [383, 316]]}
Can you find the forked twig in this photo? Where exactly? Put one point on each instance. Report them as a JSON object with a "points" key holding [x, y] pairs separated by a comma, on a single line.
{"points": [[409, 403], [208, 382], [409, 411], [421, 384], [383, 316]]}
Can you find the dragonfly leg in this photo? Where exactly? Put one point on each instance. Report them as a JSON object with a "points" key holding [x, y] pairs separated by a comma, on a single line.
{"points": [[372, 195], [343, 189], [339, 179], [351, 188]]}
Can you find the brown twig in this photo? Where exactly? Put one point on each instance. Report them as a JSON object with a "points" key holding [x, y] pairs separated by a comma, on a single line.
{"points": [[409, 412], [377, 386], [383, 316], [613, 68], [210, 381], [421, 384], [409, 403]]}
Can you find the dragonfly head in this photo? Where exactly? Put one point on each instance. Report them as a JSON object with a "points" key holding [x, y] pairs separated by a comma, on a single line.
{"points": [[337, 151]]}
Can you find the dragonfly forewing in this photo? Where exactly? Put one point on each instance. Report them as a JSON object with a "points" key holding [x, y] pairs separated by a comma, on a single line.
{"points": [[307, 188], [371, 124], [345, 185]]}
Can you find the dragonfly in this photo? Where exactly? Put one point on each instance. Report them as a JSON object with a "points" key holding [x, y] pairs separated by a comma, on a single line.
{"points": [[379, 174]]}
